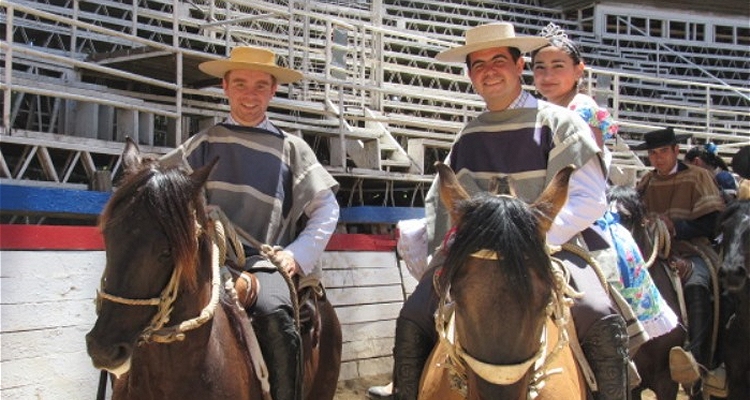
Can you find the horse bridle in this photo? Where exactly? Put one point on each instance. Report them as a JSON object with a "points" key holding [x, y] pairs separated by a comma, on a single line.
{"points": [[459, 360], [155, 331]]}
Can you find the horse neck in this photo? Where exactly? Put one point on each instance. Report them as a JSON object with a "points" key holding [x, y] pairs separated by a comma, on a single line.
{"points": [[742, 299], [193, 297]]}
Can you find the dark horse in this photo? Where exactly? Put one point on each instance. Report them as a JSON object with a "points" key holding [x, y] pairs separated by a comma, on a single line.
{"points": [[497, 287], [163, 266], [652, 358], [734, 273]]}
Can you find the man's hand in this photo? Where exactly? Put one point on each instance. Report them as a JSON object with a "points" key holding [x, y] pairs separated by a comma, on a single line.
{"points": [[286, 261], [669, 224], [683, 266]]}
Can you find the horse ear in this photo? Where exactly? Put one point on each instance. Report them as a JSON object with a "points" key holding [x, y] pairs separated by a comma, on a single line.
{"points": [[200, 175], [131, 156], [553, 197], [451, 191]]}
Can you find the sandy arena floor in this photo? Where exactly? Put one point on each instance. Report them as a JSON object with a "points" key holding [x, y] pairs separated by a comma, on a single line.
{"points": [[357, 389]]}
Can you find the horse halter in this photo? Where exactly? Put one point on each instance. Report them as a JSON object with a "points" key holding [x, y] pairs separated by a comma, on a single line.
{"points": [[458, 360], [155, 331]]}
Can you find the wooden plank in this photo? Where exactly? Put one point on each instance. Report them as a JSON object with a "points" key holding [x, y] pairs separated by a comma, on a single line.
{"points": [[360, 276], [31, 237], [38, 278], [45, 200], [368, 330], [356, 259], [50, 377], [366, 367], [379, 215], [368, 312], [360, 242], [365, 295], [380, 347]]}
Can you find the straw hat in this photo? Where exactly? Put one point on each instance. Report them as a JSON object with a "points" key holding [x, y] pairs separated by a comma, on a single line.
{"points": [[252, 58], [498, 34], [659, 138]]}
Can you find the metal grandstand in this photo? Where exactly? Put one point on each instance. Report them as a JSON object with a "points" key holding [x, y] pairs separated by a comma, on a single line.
{"points": [[79, 76]]}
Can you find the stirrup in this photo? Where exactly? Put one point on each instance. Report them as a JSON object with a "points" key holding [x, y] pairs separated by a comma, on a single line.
{"points": [[682, 366], [715, 382]]}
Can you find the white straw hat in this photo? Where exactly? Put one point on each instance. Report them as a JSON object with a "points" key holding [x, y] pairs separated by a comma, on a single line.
{"points": [[498, 34], [252, 58]]}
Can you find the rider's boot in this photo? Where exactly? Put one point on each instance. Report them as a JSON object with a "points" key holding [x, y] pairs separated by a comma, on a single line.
{"points": [[606, 349], [280, 344], [410, 353], [685, 365]]}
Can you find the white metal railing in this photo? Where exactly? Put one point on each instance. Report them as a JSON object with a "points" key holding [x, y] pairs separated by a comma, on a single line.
{"points": [[366, 86]]}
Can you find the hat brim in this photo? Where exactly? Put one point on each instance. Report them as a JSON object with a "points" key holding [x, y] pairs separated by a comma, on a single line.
{"points": [[219, 68], [525, 44], [648, 146]]}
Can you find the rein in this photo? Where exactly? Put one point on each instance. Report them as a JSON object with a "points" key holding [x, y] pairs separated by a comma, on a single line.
{"points": [[155, 331], [459, 361]]}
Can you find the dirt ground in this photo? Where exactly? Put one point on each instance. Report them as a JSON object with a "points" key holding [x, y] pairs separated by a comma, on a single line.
{"points": [[357, 389]]}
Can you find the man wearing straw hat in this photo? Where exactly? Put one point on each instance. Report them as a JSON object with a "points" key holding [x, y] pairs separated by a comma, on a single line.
{"points": [[271, 185], [528, 140]]}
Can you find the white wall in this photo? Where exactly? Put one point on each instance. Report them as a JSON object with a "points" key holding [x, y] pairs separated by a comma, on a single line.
{"points": [[46, 308]]}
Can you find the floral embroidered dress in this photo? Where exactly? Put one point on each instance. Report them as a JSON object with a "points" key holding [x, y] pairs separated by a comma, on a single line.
{"points": [[594, 114], [635, 284]]}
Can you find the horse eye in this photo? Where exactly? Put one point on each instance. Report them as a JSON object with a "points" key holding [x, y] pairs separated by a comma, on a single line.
{"points": [[166, 254]]}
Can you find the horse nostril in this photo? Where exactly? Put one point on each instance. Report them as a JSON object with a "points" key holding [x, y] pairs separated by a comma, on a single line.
{"points": [[107, 356]]}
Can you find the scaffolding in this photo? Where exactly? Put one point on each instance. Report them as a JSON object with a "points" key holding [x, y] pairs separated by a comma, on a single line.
{"points": [[79, 76]]}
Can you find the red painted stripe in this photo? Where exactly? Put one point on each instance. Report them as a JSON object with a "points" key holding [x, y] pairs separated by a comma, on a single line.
{"points": [[53, 237], [361, 242], [50, 237]]}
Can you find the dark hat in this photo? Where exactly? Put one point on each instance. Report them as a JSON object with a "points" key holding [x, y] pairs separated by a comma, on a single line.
{"points": [[741, 162], [660, 138]]}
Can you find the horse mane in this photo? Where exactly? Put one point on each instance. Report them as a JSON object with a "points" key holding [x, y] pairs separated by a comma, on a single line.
{"points": [[726, 218], [507, 226], [628, 204], [173, 202]]}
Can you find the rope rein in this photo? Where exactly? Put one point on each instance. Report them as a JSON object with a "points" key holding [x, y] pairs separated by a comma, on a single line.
{"points": [[155, 331], [235, 234]]}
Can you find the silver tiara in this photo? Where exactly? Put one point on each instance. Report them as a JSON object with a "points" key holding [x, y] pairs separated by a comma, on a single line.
{"points": [[553, 31]]}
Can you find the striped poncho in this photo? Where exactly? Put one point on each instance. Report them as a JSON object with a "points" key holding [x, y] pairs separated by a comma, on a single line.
{"points": [[530, 145], [263, 179]]}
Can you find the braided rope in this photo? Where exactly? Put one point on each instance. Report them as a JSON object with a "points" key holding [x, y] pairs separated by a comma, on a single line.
{"points": [[709, 256], [233, 235], [156, 331]]}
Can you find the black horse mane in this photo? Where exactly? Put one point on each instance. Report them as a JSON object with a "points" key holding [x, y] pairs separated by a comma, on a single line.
{"points": [[507, 226], [172, 200], [628, 204]]}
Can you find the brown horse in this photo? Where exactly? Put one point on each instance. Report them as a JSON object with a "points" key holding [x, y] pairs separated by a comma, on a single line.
{"points": [[734, 273], [497, 287], [163, 266], [652, 358]]}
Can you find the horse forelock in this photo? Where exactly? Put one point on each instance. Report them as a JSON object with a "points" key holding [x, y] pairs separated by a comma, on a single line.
{"points": [[507, 226], [170, 199]]}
